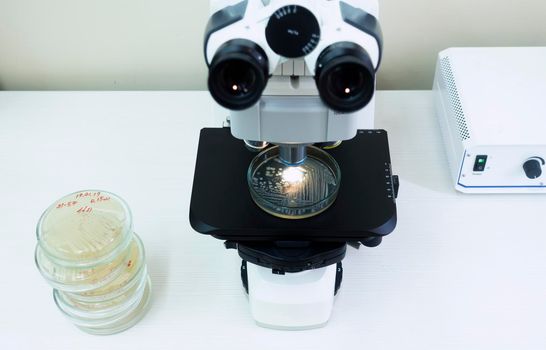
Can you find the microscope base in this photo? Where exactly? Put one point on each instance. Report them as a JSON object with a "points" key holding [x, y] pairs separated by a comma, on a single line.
{"points": [[291, 301]]}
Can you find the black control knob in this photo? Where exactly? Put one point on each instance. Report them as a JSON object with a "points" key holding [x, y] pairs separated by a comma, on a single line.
{"points": [[533, 167], [293, 31]]}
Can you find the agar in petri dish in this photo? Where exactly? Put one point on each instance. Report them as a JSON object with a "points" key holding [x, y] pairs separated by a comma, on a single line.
{"points": [[85, 228], [88, 252], [79, 279], [132, 269], [294, 191]]}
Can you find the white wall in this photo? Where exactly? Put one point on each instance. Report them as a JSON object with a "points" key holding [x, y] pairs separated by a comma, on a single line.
{"points": [[157, 44]]}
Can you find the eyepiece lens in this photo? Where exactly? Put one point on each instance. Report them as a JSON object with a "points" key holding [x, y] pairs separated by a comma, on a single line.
{"points": [[347, 81], [345, 77], [237, 77], [238, 74]]}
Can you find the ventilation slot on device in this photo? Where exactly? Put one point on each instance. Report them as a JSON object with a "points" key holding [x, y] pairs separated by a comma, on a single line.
{"points": [[454, 98]]}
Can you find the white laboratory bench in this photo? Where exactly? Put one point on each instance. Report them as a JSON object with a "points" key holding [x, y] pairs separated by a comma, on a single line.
{"points": [[459, 272]]}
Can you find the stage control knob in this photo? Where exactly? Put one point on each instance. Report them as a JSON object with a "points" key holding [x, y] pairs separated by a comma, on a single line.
{"points": [[533, 167]]}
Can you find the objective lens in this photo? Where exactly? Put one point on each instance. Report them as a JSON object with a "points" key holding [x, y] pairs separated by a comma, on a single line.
{"points": [[345, 77], [238, 74]]}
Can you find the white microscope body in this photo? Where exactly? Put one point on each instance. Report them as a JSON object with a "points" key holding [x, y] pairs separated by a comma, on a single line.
{"points": [[294, 73]]}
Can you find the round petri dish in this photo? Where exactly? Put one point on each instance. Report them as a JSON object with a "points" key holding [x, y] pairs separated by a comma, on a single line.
{"points": [[114, 323], [83, 278], [125, 322], [101, 311], [85, 229], [294, 191], [133, 272]]}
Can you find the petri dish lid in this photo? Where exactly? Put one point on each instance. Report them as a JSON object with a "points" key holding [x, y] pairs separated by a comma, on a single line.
{"points": [[85, 228]]}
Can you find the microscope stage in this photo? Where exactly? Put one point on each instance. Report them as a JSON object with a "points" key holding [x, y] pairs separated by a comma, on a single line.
{"points": [[221, 204]]}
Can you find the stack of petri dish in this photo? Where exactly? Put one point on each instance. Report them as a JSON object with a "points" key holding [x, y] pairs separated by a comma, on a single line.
{"points": [[88, 253]]}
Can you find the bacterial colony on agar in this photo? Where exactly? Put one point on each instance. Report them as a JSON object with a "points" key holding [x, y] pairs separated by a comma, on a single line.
{"points": [[294, 191]]}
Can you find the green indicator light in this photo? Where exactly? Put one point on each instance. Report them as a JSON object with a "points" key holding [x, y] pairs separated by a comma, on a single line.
{"points": [[481, 161]]}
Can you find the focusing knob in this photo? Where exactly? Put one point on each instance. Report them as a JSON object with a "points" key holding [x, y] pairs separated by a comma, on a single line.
{"points": [[293, 31], [533, 167]]}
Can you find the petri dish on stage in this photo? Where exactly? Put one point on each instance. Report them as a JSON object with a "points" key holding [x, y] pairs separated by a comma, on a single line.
{"points": [[294, 191]]}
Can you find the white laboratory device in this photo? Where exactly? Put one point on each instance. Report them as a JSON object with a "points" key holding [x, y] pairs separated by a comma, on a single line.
{"points": [[490, 103]]}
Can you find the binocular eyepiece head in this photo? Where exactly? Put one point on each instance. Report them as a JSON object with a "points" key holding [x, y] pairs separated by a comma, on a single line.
{"points": [[344, 75], [243, 54]]}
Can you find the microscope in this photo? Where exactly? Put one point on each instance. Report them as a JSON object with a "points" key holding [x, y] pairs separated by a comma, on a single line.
{"points": [[298, 173]]}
